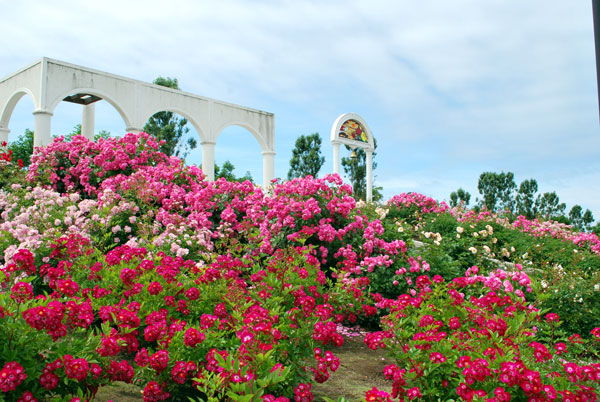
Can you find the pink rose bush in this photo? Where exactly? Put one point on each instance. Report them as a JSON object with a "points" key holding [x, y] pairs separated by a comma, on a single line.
{"points": [[121, 264], [80, 165]]}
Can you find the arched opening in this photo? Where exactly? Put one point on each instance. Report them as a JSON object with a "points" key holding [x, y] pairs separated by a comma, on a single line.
{"points": [[67, 119], [20, 118], [237, 145], [108, 119], [181, 134], [107, 116]]}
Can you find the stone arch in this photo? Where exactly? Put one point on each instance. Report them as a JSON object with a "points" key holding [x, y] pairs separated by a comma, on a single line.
{"points": [[92, 91], [13, 100], [255, 133], [268, 152], [187, 115]]}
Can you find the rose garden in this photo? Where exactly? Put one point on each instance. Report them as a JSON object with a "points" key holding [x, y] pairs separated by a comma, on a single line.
{"points": [[122, 265]]}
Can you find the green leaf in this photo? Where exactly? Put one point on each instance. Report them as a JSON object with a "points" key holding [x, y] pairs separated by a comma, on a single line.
{"points": [[246, 398], [240, 398], [220, 360]]}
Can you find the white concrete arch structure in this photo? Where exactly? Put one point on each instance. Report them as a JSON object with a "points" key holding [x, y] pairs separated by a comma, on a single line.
{"points": [[48, 82]]}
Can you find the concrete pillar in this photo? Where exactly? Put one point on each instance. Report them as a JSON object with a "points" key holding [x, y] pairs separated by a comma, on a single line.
{"points": [[268, 167], [369, 175], [87, 121], [208, 159], [336, 158], [4, 134], [41, 132]]}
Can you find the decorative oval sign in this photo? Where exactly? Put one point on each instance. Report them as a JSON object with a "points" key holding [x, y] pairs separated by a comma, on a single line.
{"points": [[353, 130]]}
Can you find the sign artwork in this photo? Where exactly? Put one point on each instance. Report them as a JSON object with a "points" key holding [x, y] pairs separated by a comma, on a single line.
{"points": [[353, 130]]}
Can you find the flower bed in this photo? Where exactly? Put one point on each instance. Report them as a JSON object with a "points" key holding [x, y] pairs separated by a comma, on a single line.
{"points": [[120, 264]]}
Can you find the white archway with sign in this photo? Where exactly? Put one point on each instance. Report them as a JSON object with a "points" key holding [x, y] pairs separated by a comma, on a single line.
{"points": [[351, 129]]}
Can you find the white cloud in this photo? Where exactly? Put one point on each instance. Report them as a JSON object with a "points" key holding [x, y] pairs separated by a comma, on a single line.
{"points": [[450, 88]]}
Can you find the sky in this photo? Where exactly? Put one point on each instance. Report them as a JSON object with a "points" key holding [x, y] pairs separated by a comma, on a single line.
{"points": [[449, 89]]}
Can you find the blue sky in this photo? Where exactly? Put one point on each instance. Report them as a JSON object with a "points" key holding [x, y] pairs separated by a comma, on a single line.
{"points": [[449, 89]]}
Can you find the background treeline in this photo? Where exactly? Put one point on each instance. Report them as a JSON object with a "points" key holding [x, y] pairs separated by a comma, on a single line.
{"points": [[500, 193]]}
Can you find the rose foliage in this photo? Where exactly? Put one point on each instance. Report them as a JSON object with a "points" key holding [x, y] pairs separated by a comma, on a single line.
{"points": [[119, 263]]}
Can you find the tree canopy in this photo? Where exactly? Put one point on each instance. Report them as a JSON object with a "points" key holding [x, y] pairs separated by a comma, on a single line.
{"points": [[226, 171], [22, 148], [549, 205], [497, 190], [171, 129], [580, 219], [500, 194], [526, 204], [306, 157], [459, 196], [356, 170]]}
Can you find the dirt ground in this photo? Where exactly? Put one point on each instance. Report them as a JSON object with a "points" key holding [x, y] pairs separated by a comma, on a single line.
{"points": [[120, 392], [360, 370]]}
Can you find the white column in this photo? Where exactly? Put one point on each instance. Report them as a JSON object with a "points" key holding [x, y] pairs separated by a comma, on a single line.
{"points": [[87, 121], [336, 158], [4, 134], [268, 167], [369, 175], [208, 159], [41, 132]]}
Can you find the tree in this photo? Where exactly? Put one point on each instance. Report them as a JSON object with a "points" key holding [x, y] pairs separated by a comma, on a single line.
{"points": [[526, 204], [587, 220], [306, 157], [170, 128], [497, 191], [356, 169], [22, 148], [581, 220], [226, 171], [77, 131], [549, 206], [576, 216], [596, 229], [459, 196]]}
